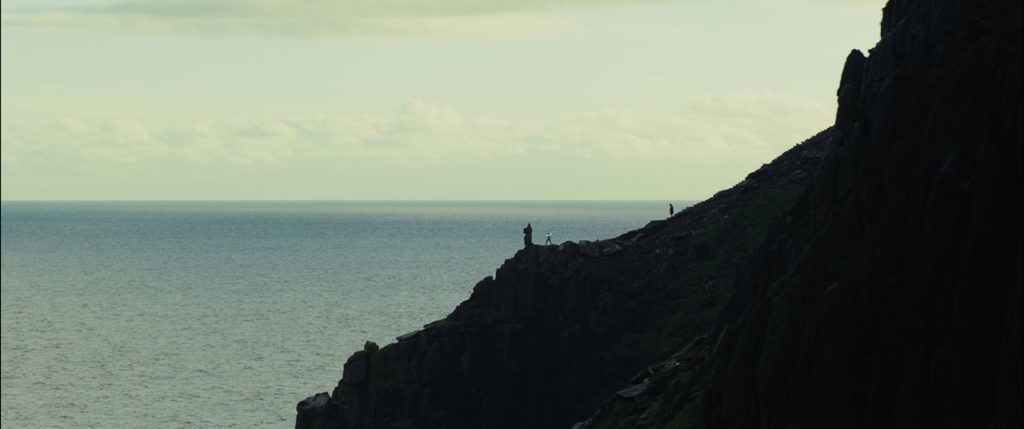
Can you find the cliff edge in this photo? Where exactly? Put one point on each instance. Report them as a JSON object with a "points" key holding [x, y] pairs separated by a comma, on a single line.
{"points": [[890, 295], [893, 296], [869, 277], [558, 329]]}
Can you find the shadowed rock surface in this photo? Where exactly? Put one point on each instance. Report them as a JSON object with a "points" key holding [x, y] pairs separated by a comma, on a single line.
{"points": [[560, 328], [872, 275], [890, 295], [893, 297]]}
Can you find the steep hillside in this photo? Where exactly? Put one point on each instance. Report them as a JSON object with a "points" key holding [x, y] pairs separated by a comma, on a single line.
{"points": [[560, 328], [890, 295], [893, 297], [871, 277]]}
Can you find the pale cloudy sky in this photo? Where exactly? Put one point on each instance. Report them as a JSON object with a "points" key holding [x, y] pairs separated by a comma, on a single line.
{"points": [[443, 99]]}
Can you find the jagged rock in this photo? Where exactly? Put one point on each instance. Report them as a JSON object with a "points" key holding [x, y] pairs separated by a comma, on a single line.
{"points": [[634, 390], [409, 335], [588, 248], [636, 238], [313, 411], [611, 249], [316, 401], [357, 366]]}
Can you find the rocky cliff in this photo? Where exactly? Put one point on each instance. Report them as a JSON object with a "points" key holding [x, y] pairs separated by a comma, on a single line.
{"points": [[560, 328], [890, 295], [869, 277]]}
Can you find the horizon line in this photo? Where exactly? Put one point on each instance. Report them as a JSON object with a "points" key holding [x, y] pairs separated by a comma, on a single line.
{"points": [[330, 200]]}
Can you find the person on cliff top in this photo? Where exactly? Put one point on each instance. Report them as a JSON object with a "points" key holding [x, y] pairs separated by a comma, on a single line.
{"points": [[671, 210], [528, 235], [548, 237]]}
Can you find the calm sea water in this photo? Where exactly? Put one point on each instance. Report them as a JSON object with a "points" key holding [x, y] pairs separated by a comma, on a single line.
{"points": [[225, 314]]}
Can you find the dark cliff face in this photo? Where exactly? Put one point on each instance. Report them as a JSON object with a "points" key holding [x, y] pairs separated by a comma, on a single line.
{"points": [[560, 328], [890, 294], [872, 274], [892, 297]]}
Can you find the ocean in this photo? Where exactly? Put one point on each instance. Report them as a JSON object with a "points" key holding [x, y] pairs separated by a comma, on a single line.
{"points": [[226, 314]]}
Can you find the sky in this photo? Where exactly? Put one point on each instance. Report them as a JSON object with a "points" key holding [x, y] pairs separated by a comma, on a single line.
{"points": [[412, 100]]}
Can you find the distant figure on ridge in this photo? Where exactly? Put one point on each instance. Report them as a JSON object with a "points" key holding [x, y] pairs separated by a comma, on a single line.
{"points": [[528, 235], [548, 237], [671, 210]]}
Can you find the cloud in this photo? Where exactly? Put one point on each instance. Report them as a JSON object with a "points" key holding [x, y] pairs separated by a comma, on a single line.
{"points": [[707, 128], [731, 134], [351, 19], [358, 19], [360, 8]]}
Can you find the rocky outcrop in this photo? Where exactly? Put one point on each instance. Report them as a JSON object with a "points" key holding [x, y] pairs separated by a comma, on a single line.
{"points": [[872, 277], [560, 328], [890, 295]]}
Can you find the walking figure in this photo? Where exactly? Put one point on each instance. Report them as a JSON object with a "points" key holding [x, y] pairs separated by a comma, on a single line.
{"points": [[548, 237], [671, 210], [528, 235]]}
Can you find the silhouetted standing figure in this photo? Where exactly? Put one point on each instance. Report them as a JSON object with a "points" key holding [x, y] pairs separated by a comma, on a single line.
{"points": [[671, 210], [528, 235], [548, 237]]}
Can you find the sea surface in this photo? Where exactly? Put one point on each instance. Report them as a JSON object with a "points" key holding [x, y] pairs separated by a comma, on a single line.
{"points": [[226, 314]]}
